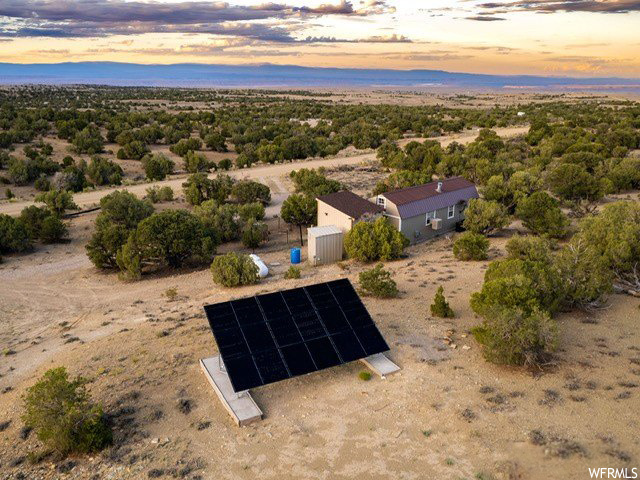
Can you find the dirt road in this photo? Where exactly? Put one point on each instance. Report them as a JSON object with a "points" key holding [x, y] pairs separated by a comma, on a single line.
{"points": [[270, 175]]}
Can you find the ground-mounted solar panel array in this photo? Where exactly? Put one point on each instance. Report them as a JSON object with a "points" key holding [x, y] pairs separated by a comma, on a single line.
{"points": [[272, 337]]}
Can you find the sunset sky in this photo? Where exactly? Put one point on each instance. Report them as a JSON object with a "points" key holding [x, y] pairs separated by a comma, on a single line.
{"points": [[552, 37]]}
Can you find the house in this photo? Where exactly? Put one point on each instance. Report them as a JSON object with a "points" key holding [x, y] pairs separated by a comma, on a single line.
{"points": [[344, 209], [425, 211]]}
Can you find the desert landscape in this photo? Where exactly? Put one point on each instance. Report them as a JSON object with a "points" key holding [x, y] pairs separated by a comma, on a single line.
{"points": [[447, 414]]}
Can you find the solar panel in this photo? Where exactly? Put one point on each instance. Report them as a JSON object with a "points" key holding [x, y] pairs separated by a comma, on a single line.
{"points": [[271, 337]]}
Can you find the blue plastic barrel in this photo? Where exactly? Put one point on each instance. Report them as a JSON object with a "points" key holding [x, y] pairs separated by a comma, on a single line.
{"points": [[295, 256]]}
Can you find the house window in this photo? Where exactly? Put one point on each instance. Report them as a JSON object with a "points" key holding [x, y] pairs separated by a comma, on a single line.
{"points": [[382, 201], [451, 211], [430, 216]]}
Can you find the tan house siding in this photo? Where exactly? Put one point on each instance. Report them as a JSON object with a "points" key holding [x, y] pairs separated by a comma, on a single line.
{"points": [[327, 215]]}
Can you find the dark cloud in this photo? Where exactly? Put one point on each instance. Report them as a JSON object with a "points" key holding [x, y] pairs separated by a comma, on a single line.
{"points": [[101, 18], [485, 18], [552, 6]]}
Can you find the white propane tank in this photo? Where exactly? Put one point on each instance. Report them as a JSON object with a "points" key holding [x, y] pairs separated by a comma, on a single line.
{"points": [[263, 270]]}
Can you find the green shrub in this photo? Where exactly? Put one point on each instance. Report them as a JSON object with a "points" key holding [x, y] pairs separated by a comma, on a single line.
{"points": [[101, 171], [133, 150], [373, 241], [364, 376], [199, 188], [53, 229], [313, 182], [471, 246], [513, 337], [42, 184], [254, 234], [484, 217], [377, 282], [541, 214], [225, 164], [222, 221], [530, 248], [185, 145], [614, 234], [196, 162], [14, 237], [440, 307], [157, 166], [587, 277], [523, 284], [234, 270], [158, 194], [300, 210], [57, 201], [248, 211], [61, 413], [292, 272], [89, 140], [168, 238], [120, 213], [248, 191], [32, 218]]}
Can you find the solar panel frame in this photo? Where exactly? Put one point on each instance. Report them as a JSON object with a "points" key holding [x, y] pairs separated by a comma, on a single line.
{"points": [[271, 337]]}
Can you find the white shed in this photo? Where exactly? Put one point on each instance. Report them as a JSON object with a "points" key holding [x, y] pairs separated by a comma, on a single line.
{"points": [[325, 244]]}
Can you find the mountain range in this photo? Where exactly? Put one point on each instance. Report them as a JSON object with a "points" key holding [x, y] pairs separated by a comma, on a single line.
{"points": [[268, 75]]}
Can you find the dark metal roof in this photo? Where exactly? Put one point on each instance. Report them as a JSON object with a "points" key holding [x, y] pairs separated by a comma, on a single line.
{"points": [[351, 204], [421, 199]]}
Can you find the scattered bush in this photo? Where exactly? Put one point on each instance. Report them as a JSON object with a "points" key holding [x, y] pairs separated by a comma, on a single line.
{"points": [[254, 234], [157, 194], [186, 145], [134, 150], [292, 272], [199, 188], [248, 191], [58, 201], [614, 234], [168, 238], [513, 337], [196, 162], [373, 241], [523, 284], [53, 229], [14, 237], [575, 185], [101, 171], [42, 184], [157, 167], [89, 140], [32, 218], [234, 270], [313, 182], [530, 248], [471, 246], [586, 275], [120, 213], [440, 307], [300, 210], [377, 282], [484, 217], [225, 164], [364, 376], [541, 214], [72, 178], [61, 413]]}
